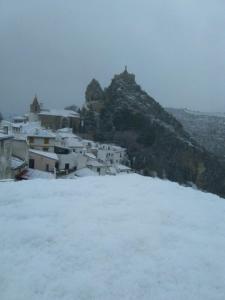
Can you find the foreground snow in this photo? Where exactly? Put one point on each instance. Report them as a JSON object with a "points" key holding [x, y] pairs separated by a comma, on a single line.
{"points": [[122, 237]]}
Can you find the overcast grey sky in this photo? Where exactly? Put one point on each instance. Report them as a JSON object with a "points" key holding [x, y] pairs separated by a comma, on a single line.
{"points": [[54, 48]]}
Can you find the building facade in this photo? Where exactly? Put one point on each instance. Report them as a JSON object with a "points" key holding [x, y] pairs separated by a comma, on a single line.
{"points": [[5, 156], [57, 119]]}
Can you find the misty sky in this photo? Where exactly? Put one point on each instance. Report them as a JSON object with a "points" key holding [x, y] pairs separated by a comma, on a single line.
{"points": [[54, 48]]}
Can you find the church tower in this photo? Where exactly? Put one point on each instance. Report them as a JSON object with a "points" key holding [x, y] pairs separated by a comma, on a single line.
{"points": [[35, 109], [35, 106]]}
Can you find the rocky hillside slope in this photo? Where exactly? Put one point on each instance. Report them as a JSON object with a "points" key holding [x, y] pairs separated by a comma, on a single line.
{"points": [[207, 129], [157, 143]]}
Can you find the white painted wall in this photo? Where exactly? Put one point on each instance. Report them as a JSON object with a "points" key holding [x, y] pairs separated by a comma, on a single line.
{"points": [[20, 149], [67, 159], [5, 158], [38, 143]]}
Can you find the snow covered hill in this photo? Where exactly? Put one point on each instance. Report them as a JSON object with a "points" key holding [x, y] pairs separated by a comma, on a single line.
{"points": [[122, 237]]}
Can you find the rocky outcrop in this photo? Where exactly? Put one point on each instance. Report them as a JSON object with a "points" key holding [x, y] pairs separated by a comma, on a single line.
{"points": [[157, 143], [94, 92]]}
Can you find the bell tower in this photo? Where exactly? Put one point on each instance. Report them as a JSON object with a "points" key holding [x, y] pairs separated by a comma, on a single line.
{"points": [[35, 107]]}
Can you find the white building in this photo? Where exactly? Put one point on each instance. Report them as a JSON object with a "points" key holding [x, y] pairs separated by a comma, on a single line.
{"points": [[97, 167], [111, 154], [67, 159], [42, 140], [43, 161], [5, 156]]}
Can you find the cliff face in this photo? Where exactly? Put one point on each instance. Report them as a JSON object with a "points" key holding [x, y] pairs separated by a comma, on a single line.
{"points": [[157, 143]]}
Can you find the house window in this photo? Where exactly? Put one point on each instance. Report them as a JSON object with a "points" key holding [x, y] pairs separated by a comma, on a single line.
{"points": [[47, 168], [45, 149], [31, 139], [98, 170], [46, 140], [67, 166]]}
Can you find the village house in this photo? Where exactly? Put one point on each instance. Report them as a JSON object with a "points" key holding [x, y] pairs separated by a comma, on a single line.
{"points": [[91, 146], [67, 159], [42, 140], [111, 154], [97, 167], [19, 119], [5, 156], [43, 161]]}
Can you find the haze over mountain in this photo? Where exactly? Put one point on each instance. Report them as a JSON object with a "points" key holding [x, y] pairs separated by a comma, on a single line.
{"points": [[54, 48], [208, 129]]}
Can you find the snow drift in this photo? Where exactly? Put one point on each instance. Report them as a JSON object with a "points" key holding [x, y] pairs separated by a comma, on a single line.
{"points": [[123, 237]]}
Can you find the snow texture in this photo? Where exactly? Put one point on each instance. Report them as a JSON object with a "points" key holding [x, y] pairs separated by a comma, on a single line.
{"points": [[112, 237], [37, 174], [60, 113]]}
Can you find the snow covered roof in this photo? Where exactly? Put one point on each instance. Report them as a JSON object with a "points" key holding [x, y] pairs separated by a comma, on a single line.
{"points": [[20, 138], [111, 147], [28, 128], [118, 148], [45, 154], [90, 155], [74, 143], [60, 113], [40, 132], [94, 163], [5, 136], [66, 129], [90, 143], [66, 133], [85, 172], [17, 125], [19, 118], [122, 168], [16, 163]]}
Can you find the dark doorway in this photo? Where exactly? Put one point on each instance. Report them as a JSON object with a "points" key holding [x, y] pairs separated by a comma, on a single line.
{"points": [[31, 163], [67, 166]]}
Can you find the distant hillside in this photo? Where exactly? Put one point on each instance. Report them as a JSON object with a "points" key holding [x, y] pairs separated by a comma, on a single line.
{"points": [[157, 143], [208, 129]]}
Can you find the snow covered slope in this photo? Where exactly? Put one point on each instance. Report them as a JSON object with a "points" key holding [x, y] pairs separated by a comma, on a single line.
{"points": [[122, 237]]}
